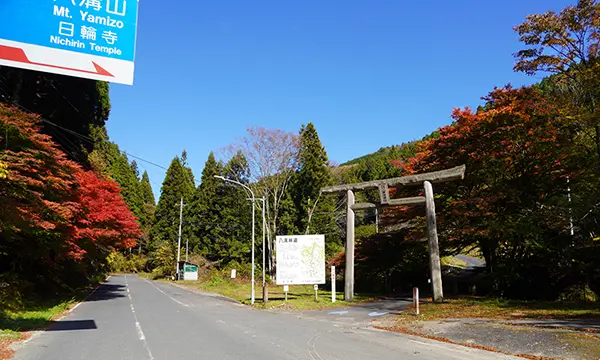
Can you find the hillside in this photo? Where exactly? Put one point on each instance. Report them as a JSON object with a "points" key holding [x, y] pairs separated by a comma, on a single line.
{"points": [[403, 151]]}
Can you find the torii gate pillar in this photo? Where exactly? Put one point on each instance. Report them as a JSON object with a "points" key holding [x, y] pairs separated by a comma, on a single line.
{"points": [[349, 273], [434, 249]]}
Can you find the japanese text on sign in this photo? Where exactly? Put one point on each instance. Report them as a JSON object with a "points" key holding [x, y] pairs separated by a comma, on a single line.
{"points": [[300, 259], [91, 24]]}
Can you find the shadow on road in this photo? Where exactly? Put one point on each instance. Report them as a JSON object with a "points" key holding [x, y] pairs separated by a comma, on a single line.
{"points": [[108, 292], [70, 325], [35, 317]]}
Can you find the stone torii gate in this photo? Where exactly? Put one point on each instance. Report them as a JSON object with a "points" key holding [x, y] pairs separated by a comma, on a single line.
{"points": [[425, 179]]}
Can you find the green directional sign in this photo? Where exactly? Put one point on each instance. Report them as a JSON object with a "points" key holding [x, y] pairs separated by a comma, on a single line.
{"points": [[190, 268]]}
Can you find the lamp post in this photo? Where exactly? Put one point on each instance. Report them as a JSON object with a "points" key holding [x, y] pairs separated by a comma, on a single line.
{"points": [[253, 198], [263, 244]]}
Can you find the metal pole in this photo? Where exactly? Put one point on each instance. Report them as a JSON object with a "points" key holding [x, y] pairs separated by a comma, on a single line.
{"points": [[186, 250], [179, 239], [252, 300], [263, 240]]}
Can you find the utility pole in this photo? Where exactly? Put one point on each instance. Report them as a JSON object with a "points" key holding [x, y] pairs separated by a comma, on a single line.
{"points": [[252, 298], [265, 291], [179, 238]]}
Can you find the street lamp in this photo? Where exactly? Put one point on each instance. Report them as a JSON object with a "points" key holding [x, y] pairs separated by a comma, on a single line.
{"points": [[253, 198]]}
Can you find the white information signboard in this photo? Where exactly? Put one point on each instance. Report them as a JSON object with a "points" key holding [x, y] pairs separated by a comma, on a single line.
{"points": [[300, 259]]}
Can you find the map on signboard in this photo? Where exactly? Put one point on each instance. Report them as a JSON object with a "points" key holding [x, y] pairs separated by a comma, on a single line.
{"points": [[300, 259]]}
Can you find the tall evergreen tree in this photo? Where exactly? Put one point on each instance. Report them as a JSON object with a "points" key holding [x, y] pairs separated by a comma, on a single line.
{"points": [[203, 212], [234, 244], [178, 184], [69, 102], [315, 213], [149, 209], [313, 174], [147, 194]]}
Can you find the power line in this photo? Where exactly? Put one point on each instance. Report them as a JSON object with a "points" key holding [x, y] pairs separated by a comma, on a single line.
{"points": [[64, 97], [84, 137]]}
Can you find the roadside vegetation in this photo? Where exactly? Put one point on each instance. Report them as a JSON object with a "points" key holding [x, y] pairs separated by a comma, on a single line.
{"points": [[494, 308]]}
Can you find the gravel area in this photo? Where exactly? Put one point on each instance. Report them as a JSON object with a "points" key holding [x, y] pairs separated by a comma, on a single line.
{"points": [[536, 338]]}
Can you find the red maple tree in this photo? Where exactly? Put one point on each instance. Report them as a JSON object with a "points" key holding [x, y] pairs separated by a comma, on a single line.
{"points": [[103, 221]]}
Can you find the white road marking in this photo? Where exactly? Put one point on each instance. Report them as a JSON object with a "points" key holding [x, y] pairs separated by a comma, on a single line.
{"points": [[138, 327], [74, 307], [172, 298], [140, 332]]}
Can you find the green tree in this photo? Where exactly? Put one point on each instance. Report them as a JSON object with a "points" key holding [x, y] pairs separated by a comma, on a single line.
{"points": [[315, 213], [202, 212], [107, 159], [71, 103], [235, 212], [147, 194], [178, 184], [149, 207]]}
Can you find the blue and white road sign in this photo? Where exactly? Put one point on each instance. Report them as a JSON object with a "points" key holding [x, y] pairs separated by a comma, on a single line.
{"points": [[85, 38]]}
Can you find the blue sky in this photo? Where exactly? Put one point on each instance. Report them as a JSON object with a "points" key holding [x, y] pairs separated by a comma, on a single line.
{"points": [[367, 73]]}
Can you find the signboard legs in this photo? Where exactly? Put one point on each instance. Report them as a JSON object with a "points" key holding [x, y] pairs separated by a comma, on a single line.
{"points": [[349, 274]]}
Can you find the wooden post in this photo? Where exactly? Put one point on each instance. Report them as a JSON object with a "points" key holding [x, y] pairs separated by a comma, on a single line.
{"points": [[434, 250], [416, 300], [349, 273], [332, 283], [266, 292]]}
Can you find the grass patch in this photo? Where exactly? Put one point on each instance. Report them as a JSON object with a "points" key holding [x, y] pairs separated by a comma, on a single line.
{"points": [[300, 297], [491, 308], [10, 335], [34, 315]]}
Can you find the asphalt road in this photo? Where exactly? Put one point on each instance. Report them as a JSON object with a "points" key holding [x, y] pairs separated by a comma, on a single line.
{"points": [[132, 318]]}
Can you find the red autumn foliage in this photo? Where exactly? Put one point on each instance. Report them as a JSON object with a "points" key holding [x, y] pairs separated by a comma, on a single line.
{"points": [[51, 208], [104, 220], [35, 192], [515, 154]]}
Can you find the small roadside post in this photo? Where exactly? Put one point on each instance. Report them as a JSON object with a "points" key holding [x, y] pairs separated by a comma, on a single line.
{"points": [[416, 300], [333, 283], [316, 292], [286, 288]]}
